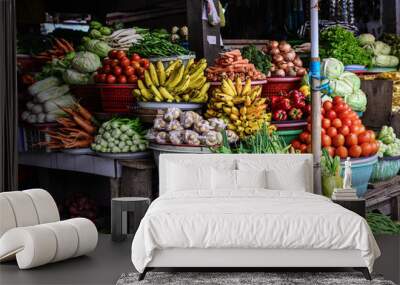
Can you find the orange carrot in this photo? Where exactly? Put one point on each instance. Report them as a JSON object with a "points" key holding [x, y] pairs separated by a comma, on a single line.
{"points": [[83, 112], [84, 124]]}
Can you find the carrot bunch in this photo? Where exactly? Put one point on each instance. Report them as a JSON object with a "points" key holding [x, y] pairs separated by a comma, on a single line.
{"points": [[76, 130], [232, 65], [60, 48]]}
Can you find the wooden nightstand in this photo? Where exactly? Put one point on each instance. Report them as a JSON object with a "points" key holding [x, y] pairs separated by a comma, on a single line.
{"points": [[357, 206]]}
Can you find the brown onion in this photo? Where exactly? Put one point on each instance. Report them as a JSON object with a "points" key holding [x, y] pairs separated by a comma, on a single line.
{"points": [[273, 44], [278, 58], [282, 65], [291, 72], [298, 62], [290, 64], [274, 51], [284, 47], [301, 71], [289, 56], [272, 68], [279, 73]]}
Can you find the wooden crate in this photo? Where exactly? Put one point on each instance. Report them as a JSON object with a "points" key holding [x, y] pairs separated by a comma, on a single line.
{"points": [[385, 197]]}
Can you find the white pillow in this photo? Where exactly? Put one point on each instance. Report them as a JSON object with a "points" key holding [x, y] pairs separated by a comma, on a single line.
{"points": [[183, 177], [251, 178], [296, 181], [224, 179]]}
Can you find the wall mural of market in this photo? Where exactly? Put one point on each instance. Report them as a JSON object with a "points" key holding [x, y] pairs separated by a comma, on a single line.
{"points": [[102, 96]]}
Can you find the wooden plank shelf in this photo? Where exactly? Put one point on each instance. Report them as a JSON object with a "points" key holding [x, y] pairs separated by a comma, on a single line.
{"points": [[385, 197]]}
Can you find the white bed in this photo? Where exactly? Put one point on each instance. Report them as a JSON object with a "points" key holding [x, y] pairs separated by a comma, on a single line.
{"points": [[201, 219]]}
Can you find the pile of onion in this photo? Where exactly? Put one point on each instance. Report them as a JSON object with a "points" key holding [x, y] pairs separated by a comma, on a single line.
{"points": [[285, 61]]}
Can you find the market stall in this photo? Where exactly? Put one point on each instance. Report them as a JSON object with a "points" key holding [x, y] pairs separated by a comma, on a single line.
{"points": [[116, 94]]}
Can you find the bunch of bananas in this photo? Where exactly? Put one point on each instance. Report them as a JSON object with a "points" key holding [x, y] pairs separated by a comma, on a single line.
{"points": [[240, 105], [176, 83]]}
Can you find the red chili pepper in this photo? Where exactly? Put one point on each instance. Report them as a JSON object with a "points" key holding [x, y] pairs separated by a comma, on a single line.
{"points": [[284, 104], [295, 114], [280, 115], [307, 109]]}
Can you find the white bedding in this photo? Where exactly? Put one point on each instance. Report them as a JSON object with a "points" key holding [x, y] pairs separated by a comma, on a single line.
{"points": [[252, 218]]}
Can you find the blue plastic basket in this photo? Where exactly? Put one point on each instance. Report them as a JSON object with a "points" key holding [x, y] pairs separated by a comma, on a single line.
{"points": [[361, 172], [386, 168]]}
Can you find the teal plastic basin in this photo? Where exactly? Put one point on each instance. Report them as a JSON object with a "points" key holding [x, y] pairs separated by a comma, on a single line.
{"points": [[361, 172], [289, 135]]}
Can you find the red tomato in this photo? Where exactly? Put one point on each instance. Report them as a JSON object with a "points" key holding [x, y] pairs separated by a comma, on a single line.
{"points": [[296, 144], [309, 139], [120, 54], [121, 79], [337, 100], [372, 135], [355, 129], [327, 105], [339, 108], [135, 64], [303, 148], [140, 71], [107, 61], [338, 140], [124, 61], [309, 149], [135, 57], [309, 127], [331, 115], [353, 115], [375, 147], [346, 122], [309, 119], [364, 137], [345, 130], [337, 123], [323, 112], [112, 54], [362, 129], [366, 149], [357, 122], [132, 78], [330, 150], [117, 70], [332, 132], [326, 140], [129, 70], [326, 123], [145, 63], [351, 140], [115, 62], [303, 136], [100, 77], [355, 151], [323, 132], [106, 69], [111, 79], [341, 151]]}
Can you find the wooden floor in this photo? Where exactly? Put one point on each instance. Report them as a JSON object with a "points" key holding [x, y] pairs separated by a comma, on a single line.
{"points": [[110, 260]]}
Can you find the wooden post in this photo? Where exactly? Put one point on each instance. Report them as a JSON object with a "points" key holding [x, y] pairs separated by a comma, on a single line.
{"points": [[204, 39], [316, 96]]}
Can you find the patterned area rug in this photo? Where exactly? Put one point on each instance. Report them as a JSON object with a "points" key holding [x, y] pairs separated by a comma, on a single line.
{"points": [[253, 278]]}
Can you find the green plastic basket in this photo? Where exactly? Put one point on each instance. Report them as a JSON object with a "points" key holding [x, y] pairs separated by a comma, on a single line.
{"points": [[289, 135], [386, 168]]}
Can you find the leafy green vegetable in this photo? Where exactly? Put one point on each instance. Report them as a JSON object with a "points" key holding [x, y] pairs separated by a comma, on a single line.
{"points": [[394, 41], [330, 166], [385, 60], [357, 101], [71, 76], [382, 224], [86, 62], [389, 144], [341, 44], [366, 39], [261, 60]]}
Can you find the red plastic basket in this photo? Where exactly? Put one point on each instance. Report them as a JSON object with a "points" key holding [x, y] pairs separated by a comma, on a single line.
{"points": [[277, 84], [117, 98], [88, 96]]}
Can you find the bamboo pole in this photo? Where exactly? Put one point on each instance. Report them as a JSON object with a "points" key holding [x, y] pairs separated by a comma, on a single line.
{"points": [[316, 97]]}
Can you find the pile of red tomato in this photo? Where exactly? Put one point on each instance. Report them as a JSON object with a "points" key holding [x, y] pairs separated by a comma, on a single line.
{"points": [[118, 68], [342, 134]]}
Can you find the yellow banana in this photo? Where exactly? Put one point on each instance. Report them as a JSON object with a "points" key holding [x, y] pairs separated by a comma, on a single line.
{"points": [[141, 84], [226, 88], [155, 92], [237, 122], [235, 111], [259, 101], [227, 110], [183, 85], [247, 101], [218, 105], [172, 67], [238, 100], [200, 65], [232, 86], [198, 83], [164, 92], [186, 97], [161, 72], [243, 110], [188, 66], [238, 86], [199, 71], [176, 78], [234, 117], [247, 88], [147, 79], [204, 88], [199, 99], [136, 93], [231, 127], [153, 74]]}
